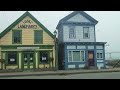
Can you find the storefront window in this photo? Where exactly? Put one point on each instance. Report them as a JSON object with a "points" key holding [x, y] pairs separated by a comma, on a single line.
{"points": [[43, 57], [12, 58]]}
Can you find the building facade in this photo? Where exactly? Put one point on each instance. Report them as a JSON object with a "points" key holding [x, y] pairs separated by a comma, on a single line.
{"points": [[77, 42], [27, 44]]}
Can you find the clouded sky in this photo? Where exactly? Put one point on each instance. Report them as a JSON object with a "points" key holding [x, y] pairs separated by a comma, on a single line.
{"points": [[107, 30]]}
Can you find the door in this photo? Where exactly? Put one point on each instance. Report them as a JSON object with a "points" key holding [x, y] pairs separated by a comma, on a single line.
{"points": [[91, 58], [28, 58]]}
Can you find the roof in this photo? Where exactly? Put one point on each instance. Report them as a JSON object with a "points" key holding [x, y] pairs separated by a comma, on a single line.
{"points": [[73, 14], [20, 19]]}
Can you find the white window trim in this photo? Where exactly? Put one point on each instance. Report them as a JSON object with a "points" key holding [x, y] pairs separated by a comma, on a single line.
{"points": [[88, 33], [74, 32], [72, 55], [99, 54]]}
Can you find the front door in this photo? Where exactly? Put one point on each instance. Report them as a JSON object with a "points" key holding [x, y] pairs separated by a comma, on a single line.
{"points": [[91, 58], [28, 58]]}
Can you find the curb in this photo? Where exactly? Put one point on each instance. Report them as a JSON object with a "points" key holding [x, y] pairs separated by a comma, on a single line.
{"points": [[57, 73]]}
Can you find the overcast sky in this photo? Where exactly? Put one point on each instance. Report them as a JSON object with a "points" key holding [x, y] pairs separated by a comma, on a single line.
{"points": [[107, 30]]}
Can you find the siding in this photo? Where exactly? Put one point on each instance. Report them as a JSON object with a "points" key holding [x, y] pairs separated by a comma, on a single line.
{"points": [[7, 39], [60, 34], [79, 34], [27, 36], [78, 18]]}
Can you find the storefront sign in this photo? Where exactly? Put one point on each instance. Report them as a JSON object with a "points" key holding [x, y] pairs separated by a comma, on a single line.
{"points": [[27, 24], [27, 48]]}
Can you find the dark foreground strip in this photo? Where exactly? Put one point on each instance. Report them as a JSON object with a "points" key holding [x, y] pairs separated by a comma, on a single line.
{"points": [[59, 73]]}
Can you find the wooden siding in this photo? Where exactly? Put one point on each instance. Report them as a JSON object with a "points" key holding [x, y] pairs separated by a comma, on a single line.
{"points": [[78, 18], [27, 36], [79, 34], [7, 39]]}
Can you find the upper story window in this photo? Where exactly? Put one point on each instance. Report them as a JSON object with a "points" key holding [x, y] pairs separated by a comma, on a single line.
{"points": [[38, 36], [17, 36], [86, 32], [72, 32]]}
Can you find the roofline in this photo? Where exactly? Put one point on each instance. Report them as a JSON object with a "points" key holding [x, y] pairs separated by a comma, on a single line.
{"points": [[75, 12], [20, 19]]}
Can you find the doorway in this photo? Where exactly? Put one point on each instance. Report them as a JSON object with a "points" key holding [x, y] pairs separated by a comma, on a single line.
{"points": [[28, 60], [91, 58]]}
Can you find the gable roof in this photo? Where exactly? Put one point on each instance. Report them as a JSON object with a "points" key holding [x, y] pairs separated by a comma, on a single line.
{"points": [[20, 19], [75, 13]]}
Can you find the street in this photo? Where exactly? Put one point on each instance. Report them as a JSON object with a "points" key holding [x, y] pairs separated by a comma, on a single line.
{"points": [[111, 75]]}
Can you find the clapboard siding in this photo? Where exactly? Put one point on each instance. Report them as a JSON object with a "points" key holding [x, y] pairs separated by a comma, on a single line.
{"points": [[79, 34], [78, 18]]}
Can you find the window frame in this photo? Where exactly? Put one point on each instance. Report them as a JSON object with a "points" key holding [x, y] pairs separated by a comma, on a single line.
{"points": [[13, 34], [41, 37], [98, 55], [72, 33], [72, 55], [85, 33], [16, 58]]}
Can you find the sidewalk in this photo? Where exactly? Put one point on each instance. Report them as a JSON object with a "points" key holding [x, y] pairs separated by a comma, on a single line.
{"points": [[59, 72]]}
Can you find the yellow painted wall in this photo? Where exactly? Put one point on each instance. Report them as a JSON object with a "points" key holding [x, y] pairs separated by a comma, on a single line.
{"points": [[36, 54], [11, 67], [7, 39], [27, 35], [42, 66], [20, 60]]}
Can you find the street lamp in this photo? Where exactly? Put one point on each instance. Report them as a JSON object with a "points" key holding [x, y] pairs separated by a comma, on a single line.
{"points": [[55, 33]]}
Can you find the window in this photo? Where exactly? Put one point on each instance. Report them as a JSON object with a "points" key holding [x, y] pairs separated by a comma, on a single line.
{"points": [[72, 32], [38, 36], [12, 58], [76, 56], [17, 36], [43, 57], [99, 55], [86, 32]]}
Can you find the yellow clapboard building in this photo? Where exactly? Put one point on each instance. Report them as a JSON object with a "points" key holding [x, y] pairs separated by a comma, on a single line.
{"points": [[27, 44]]}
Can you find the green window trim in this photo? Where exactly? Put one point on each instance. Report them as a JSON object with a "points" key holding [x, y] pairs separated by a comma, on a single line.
{"points": [[13, 31], [40, 38], [39, 62], [6, 58]]}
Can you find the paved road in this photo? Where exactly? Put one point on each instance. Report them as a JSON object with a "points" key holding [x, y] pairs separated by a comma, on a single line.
{"points": [[111, 75]]}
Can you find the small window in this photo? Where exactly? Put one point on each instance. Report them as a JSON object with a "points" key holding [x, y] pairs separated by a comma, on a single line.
{"points": [[38, 36], [72, 32], [17, 36], [12, 58], [99, 55], [86, 32]]}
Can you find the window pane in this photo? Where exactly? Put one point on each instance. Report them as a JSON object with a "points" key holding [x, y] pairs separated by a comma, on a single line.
{"points": [[12, 58], [101, 55], [17, 36], [97, 55], [70, 56], [76, 55], [37, 37], [72, 33], [44, 57], [86, 32], [82, 56]]}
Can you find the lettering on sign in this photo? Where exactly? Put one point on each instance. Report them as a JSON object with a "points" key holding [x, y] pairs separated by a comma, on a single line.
{"points": [[27, 24]]}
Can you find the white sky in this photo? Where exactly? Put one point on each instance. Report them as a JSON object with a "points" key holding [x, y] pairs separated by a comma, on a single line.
{"points": [[107, 30]]}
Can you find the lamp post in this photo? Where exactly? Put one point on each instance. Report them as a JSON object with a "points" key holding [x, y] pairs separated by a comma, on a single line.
{"points": [[55, 33]]}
